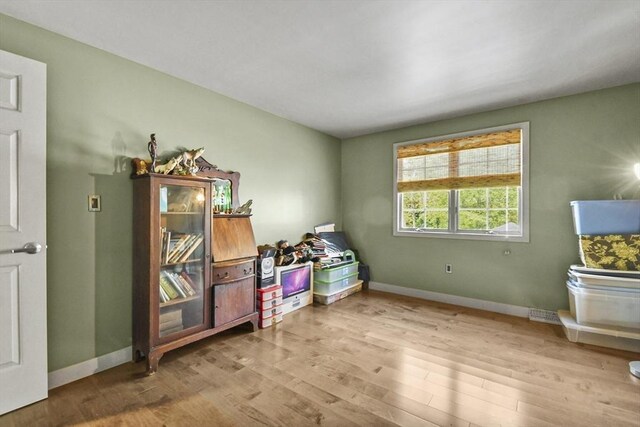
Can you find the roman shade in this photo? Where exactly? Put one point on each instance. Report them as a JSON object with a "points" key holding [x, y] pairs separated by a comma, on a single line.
{"points": [[476, 161]]}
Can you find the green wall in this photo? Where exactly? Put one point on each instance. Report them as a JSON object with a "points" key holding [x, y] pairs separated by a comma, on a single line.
{"points": [[101, 110], [581, 147]]}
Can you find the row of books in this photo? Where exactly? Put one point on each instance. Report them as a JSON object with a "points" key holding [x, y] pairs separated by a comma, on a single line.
{"points": [[179, 249], [174, 285], [170, 322]]}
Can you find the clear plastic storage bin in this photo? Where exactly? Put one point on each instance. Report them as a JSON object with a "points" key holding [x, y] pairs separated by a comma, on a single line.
{"points": [[618, 307], [330, 299], [602, 281], [620, 338]]}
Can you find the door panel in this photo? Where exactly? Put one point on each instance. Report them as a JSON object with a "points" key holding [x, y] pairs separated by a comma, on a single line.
{"points": [[9, 178], [233, 300], [9, 342], [23, 291]]}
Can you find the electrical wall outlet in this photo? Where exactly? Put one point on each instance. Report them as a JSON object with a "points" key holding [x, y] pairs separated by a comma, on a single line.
{"points": [[448, 268]]}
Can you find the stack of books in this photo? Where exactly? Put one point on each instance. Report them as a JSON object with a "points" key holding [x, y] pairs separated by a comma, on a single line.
{"points": [[175, 286], [179, 249], [170, 322], [318, 246]]}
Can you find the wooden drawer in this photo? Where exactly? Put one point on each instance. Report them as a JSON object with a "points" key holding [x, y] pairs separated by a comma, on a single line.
{"points": [[224, 272], [233, 300]]}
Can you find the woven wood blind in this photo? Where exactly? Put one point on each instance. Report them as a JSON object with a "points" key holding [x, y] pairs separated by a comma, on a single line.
{"points": [[478, 161]]}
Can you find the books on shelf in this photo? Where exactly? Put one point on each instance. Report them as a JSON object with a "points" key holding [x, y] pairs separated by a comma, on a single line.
{"points": [[176, 250], [170, 322], [167, 286], [188, 283], [174, 286], [170, 315]]}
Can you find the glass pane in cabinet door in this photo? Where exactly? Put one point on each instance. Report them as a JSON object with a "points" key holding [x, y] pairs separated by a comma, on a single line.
{"points": [[182, 263], [221, 200]]}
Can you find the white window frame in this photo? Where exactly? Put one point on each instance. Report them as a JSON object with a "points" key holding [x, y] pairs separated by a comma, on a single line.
{"points": [[453, 232]]}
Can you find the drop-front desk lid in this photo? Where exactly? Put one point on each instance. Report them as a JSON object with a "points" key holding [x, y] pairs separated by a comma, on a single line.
{"points": [[232, 238]]}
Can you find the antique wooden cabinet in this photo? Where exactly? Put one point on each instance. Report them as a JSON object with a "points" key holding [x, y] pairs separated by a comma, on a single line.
{"points": [[193, 269]]}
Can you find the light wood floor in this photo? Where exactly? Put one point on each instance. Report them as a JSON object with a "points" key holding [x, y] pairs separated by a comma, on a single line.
{"points": [[372, 359]]}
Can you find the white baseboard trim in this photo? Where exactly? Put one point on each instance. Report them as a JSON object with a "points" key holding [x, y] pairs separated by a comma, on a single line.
{"points": [[496, 307], [89, 367]]}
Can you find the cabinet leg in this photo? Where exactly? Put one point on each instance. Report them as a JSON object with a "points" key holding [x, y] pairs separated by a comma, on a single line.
{"points": [[152, 363], [137, 355], [254, 325]]}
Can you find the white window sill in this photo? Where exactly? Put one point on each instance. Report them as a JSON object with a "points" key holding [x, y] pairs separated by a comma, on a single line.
{"points": [[463, 236]]}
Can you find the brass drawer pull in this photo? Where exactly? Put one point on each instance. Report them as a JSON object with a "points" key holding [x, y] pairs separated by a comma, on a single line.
{"points": [[248, 271]]}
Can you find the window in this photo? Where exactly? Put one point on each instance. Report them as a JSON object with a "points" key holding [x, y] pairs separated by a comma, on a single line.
{"points": [[468, 185]]}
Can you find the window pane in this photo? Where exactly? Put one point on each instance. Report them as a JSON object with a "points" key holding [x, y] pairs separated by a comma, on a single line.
{"points": [[498, 197], [513, 216], [407, 219], [438, 220], [513, 197], [412, 200], [497, 219], [473, 198], [472, 220], [438, 199], [418, 219]]}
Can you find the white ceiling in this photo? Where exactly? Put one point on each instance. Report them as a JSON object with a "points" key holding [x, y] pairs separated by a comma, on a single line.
{"points": [[354, 67]]}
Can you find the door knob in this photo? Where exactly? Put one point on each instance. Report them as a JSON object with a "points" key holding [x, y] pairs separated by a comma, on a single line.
{"points": [[30, 248]]}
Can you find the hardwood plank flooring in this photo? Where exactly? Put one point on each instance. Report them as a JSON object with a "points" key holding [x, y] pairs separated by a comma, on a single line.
{"points": [[373, 359]]}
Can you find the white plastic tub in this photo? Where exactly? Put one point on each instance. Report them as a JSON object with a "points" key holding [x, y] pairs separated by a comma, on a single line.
{"points": [[619, 307], [619, 338], [601, 281], [603, 272], [601, 217]]}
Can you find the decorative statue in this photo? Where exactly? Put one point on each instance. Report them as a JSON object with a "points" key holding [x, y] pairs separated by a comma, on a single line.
{"points": [[189, 159], [139, 166], [153, 151], [167, 167]]}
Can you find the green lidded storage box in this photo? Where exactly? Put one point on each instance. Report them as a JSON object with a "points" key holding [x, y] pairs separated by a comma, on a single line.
{"points": [[332, 274]]}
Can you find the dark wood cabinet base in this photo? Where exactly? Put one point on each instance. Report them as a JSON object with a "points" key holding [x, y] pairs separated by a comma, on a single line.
{"points": [[153, 355]]}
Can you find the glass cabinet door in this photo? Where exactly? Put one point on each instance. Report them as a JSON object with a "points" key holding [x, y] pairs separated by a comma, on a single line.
{"points": [[181, 281]]}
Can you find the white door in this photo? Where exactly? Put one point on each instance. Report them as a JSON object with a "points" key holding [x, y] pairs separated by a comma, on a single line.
{"points": [[23, 287]]}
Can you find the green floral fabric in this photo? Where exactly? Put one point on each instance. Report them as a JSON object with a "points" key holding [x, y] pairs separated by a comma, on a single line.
{"points": [[612, 252]]}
